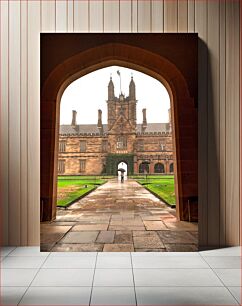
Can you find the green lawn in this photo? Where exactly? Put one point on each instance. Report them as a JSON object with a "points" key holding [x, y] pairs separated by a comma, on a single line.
{"points": [[71, 188], [163, 186]]}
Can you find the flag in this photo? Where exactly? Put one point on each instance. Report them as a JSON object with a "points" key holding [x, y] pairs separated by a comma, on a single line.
{"points": [[118, 72]]}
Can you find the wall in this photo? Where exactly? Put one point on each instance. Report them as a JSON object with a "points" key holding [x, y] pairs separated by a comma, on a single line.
{"points": [[217, 23], [93, 156]]}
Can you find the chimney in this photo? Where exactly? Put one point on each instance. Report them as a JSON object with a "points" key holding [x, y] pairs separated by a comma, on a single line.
{"points": [[99, 123], [74, 113], [144, 123]]}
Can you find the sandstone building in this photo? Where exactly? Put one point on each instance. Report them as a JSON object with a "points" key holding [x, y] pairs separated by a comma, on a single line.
{"points": [[90, 149]]}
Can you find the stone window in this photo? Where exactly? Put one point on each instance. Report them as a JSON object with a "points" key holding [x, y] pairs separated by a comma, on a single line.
{"points": [[140, 145], [61, 166], [104, 145], [159, 168], [82, 165], [171, 167], [83, 146], [162, 147], [62, 146], [122, 142], [144, 168]]}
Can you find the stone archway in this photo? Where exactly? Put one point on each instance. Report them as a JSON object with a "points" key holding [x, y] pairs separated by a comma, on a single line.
{"points": [[122, 165], [159, 168], [108, 52], [144, 168]]}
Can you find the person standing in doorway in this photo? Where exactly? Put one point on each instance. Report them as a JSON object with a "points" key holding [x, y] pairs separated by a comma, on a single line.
{"points": [[122, 177]]}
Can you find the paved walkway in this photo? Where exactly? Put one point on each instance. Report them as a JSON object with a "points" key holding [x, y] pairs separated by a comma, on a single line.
{"points": [[118, 217]]}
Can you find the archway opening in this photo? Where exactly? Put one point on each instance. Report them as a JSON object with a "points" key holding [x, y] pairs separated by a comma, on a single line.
{"points": [[142, 60], [159, 168], [127, 119], [122, 170], [144, 167]]}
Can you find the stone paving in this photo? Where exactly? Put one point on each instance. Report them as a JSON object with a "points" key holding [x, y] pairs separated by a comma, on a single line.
{"points": [[119, 217]]}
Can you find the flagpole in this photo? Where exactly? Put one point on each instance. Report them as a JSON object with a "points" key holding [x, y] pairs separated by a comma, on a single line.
{"points": [[118, 72], [120, 84]]}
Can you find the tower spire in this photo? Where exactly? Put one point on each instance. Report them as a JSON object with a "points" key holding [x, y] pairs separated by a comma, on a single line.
{"points": [[110, 89], [132, 93]]}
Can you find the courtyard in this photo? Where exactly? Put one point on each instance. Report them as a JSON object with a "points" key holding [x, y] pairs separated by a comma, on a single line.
{"points": [[118, 217]]}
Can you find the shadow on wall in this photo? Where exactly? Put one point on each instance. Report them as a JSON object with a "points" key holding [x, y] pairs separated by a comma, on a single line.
{"points": [[208, 152]]}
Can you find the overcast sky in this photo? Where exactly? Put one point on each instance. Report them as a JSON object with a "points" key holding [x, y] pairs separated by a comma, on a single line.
{"points": [[89, 93]]}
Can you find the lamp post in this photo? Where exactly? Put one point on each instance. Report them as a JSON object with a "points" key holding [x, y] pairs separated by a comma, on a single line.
{"points": [[167, 162], [147, 162]]}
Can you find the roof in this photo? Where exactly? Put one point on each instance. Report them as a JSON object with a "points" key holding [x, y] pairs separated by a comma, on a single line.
{"points": [[154, 128], [93, 129], [81, 129]]}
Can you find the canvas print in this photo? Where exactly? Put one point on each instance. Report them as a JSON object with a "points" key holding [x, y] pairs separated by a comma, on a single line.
{"points": [[116, 166]]}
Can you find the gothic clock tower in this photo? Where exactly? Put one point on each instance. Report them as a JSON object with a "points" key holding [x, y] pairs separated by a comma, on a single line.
{"points": [[121, 119]]}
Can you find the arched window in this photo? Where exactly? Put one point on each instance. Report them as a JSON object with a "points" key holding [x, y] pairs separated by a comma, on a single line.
{"points": [[144, 168], [171, 167], [159, 168]]}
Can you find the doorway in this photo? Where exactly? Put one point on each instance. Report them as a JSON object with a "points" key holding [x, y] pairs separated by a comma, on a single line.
{"points": [[146, 54], [122, 169]]}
